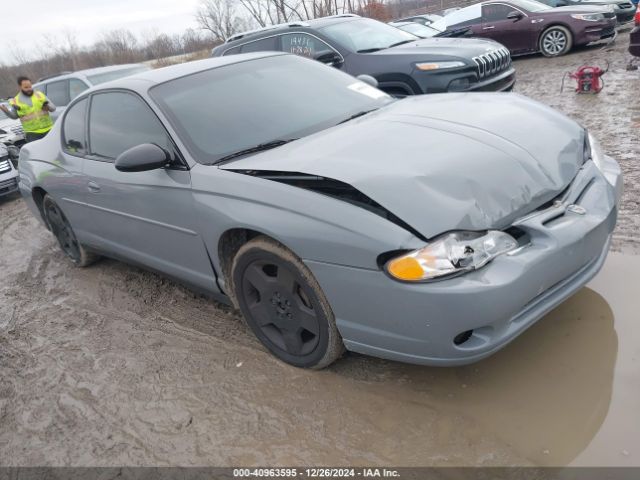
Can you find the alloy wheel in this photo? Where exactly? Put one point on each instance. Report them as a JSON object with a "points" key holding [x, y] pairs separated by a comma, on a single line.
{"points": [[554, 42]]}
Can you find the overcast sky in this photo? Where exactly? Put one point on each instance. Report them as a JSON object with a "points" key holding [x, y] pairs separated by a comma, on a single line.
{"points": [[23, 23]]}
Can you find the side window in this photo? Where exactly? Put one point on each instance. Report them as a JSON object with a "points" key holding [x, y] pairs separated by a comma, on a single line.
{"points": [[58, 93], [304, 45], [494, 12], [76, 87], [464, 17], [73, 130], [231, 51], [119, 121], [264, 45]]}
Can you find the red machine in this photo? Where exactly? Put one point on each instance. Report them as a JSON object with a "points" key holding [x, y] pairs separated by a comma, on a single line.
{"points": [[588, 79]]}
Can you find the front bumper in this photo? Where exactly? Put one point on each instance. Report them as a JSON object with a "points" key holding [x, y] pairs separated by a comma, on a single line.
{"points": [[8, 182], [598, 32], [417, 323], [503, 82]]}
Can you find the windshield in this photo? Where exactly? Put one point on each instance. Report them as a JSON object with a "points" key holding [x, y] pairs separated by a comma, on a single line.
{"points": [[367, 35], [124, 72], [530, 5], [225, 110], [419, 30]]}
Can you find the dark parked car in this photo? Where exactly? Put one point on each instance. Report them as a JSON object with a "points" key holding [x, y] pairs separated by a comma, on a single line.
{"points": [[624, 10], [527, 26], [402, 63], [426, 19]]}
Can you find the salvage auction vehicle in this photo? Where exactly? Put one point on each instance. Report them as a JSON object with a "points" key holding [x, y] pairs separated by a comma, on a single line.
{"points": [[423, 230], [402, 63], [527, 26]]}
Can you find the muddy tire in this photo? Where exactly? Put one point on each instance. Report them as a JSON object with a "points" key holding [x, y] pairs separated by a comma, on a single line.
{"points": [[284, 305], [555, 41], [61, 229]]}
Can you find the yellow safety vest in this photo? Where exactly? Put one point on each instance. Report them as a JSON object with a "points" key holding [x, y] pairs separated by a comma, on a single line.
{"points": [[33, 118]]}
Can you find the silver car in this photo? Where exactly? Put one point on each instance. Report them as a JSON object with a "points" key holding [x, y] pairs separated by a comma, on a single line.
{"points": [[431, 230]]}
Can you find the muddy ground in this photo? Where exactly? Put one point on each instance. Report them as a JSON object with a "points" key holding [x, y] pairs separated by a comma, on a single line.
{"points": [[112, 365]]}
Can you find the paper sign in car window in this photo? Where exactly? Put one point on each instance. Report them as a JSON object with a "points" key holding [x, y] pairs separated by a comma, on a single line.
{"points": [[367, 90]]}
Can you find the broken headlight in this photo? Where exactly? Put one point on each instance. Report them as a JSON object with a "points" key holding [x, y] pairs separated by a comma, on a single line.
{"points": [[450, 254]]}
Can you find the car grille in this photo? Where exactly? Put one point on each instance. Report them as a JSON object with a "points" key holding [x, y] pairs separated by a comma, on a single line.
{"points": [[10, 184], [5, 166], [625, 5], [493, 62], [608, 32]]}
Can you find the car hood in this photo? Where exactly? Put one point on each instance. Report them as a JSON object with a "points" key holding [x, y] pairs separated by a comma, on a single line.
{"points": [[442, 47], [8, 123], [444, 162]]}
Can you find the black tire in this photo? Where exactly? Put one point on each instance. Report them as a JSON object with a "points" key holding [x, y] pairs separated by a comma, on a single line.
{"points": [[284, 306], [61, 229], [555, 41]]}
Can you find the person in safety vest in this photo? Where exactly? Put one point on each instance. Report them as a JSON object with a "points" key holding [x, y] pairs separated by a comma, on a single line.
{"points": [[32, 107]]}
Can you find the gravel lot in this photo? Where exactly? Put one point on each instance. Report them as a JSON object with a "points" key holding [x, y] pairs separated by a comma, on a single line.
{"points": [[112, 365]]}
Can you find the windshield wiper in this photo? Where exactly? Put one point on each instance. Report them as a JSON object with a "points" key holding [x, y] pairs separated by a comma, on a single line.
{"points": [[371, 50], [377, 49], [356, 115], [258, 148]]}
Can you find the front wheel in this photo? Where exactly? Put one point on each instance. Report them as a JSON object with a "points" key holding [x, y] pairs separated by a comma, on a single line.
{"points": [[555, 41], [61, 229], [284, 305]]}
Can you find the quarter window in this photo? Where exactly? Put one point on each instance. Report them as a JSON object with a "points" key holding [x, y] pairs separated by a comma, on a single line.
{"points": [[119, 121], [264, 45], [58, 92], [495, 12], [76, 87], [304, 45], [74, 129]]}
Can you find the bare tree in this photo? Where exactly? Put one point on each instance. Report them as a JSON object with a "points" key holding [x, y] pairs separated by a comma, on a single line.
{"points": [[220, 17]]}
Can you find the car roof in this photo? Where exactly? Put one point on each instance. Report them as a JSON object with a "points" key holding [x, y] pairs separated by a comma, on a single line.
{"points": [[88, 72], [143, 81], [309, 24]]}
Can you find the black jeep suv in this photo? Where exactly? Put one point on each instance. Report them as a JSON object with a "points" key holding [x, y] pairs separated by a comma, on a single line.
{"points": [[402, 63]]}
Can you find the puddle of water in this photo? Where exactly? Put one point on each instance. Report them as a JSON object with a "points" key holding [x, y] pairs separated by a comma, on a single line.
{"points": [[566, 391]]}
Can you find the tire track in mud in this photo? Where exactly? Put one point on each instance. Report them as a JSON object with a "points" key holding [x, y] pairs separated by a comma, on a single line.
{"points": [[114, 365]]}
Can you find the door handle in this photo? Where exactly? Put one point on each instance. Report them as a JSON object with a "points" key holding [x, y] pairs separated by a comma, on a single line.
{"points": [[93, 187], [490, 27]]}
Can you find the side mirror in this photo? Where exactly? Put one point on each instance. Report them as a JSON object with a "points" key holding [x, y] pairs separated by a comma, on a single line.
{"points": [[13, 151], [142, 158], [368, 79], [330, 58], [515, 16]]}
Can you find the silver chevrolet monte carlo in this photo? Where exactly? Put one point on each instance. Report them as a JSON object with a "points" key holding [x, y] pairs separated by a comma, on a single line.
{"points": [[430, 230]]}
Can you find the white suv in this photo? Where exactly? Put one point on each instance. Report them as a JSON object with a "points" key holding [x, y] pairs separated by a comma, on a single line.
{"points": [[66, 86]]}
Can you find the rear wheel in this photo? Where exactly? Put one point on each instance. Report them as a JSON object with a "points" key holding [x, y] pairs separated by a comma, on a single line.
{"points": [[284, 305], [555, 41], [61, 229]]}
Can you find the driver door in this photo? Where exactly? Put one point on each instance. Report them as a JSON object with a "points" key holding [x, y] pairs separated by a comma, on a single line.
{"points": [[515, 34], [146, 217]]}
